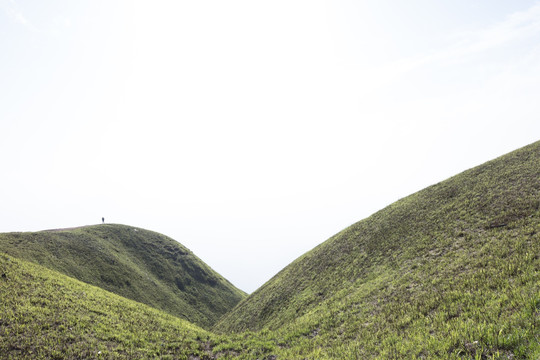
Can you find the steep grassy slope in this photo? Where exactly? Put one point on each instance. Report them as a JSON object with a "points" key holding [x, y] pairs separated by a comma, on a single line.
{"points": [[47, 315], [450, 271], [138, 264]]}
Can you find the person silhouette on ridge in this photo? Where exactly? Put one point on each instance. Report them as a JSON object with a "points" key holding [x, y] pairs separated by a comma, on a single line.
{"points": [[103, 220]]}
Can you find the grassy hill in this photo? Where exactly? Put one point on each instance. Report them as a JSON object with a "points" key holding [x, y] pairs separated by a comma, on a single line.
{"points": [[47, 315], [137, 264], [449, 272]]}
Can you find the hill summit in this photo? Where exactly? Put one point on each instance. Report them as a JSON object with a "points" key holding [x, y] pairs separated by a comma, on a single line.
{"points": [[135, 263]]}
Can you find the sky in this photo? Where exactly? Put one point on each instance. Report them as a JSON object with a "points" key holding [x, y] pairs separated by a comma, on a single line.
{"points": [[252, 131]]}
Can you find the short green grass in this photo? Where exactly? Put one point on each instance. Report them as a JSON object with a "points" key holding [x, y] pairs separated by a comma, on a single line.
{"points": [[135, 263], [450, 272], [47, 315]]}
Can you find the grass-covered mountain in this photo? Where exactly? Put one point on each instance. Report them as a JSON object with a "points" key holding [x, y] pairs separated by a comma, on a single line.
{"points": [[137, 264], [450, 271]]}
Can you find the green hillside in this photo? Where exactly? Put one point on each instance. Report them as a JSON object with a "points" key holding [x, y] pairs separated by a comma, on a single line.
{"points": [[450, 271], [137, 264], [47, 315]]}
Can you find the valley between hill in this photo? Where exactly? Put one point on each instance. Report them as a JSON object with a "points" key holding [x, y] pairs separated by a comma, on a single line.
{"points": [[450, 272]]}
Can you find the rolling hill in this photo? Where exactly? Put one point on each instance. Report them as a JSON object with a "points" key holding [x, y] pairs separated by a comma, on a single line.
{"points": [[452, 270], [135, 263]]}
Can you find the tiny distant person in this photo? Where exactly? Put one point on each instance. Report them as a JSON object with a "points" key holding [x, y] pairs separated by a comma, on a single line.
{"points": [[103, 220]]}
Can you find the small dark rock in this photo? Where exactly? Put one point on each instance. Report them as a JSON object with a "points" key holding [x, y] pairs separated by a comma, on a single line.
{"points": [[4, 276]]}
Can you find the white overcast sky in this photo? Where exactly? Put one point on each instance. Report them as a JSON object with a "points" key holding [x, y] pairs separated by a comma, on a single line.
{"points": [[251, 131]]}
